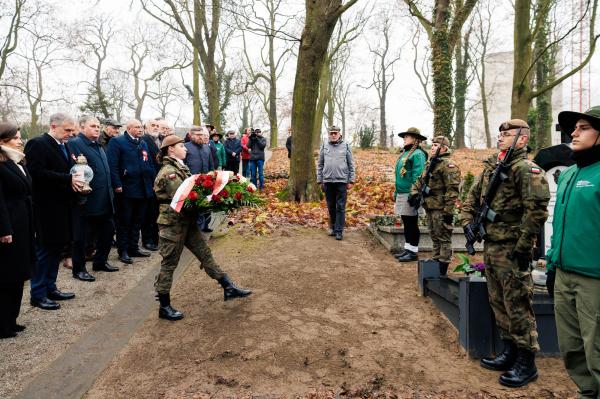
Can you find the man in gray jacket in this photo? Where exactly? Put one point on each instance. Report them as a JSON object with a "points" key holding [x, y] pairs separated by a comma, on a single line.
{"points": [[335, 174]]}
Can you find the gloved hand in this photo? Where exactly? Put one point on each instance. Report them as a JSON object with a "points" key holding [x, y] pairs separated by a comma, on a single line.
{"points": [[523, 259], [469, 233], [550, 277], [448, 219], [412, 200]]}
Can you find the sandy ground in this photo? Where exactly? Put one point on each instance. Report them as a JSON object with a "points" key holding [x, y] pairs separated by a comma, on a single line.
{"points": [[49, 333], [327, 319]]}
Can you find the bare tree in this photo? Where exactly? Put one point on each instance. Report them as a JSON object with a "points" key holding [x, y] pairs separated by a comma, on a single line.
{"points": [[272, 61], [421, 65], [383, 69], [11, 37], [165, 93], [320, 21]]}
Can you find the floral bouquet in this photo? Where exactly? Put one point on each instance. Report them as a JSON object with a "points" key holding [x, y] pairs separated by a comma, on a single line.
{"points": [[466, 267], [214, 192]]}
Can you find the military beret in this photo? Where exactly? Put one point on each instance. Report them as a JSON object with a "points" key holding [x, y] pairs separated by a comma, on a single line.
{"points": [[171, 140], [443, 140], [513, 124]]}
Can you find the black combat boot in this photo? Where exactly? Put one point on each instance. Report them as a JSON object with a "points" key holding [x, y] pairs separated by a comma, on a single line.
{"points": [[166, 311], [230, 291], [409, 256], [443, 268], [400, 254], [522, 372], [504, 361]]}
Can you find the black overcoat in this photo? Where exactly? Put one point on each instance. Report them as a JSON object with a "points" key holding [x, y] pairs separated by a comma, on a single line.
{"points": [[53, 197], [16, 218]]}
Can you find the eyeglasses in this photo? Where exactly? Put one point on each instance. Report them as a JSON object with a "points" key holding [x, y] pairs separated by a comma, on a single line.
{"points": [[506, 134], [330, 133]]}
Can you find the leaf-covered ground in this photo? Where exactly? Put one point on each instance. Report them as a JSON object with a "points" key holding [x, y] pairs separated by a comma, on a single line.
{"points": [[371, 195]]}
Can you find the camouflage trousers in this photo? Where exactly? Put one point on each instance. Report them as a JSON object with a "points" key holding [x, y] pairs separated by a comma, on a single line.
{"points": [[171, 240], [441, 235], [510, 293]]}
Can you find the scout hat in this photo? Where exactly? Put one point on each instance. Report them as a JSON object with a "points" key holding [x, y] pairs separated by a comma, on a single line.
{"points": [[216, 134], [111, 122], [568, 119], [443, 140], [413, 131], [513, 124], [171, 140]]}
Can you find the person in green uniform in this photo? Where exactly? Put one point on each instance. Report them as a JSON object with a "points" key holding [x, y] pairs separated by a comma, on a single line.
{"points": [[441, 201], [409, 167], [574, 255], [178, 229], [520, 204], [221, 156]]}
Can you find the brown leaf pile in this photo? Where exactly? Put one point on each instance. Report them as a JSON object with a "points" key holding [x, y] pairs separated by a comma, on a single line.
{"points": [[371, 195]]}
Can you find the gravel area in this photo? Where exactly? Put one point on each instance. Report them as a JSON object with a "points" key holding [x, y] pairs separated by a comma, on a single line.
{"points": [[49, 333]]}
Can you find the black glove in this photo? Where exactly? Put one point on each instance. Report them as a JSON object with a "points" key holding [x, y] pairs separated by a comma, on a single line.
{"points": [[448, 219], [550, 277], [469, 233], [523, 259], [413, 200]]}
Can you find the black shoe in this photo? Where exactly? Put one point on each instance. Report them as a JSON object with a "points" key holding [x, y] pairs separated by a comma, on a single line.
{"points": [[504, 361], [44, 303], [18, 328], [106, 267], [443, 268], [166, 311], [125, 258], [60, 296], [138, 253], [230, 291], [409, 256], [84, 276], [207, 230], [151, 247], [339, 236], [522, 372], [400, 254]]}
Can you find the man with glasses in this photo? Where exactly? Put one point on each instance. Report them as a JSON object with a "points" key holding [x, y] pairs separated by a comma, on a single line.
{"points": [[335, 174], [132, 176], [521, 206]]}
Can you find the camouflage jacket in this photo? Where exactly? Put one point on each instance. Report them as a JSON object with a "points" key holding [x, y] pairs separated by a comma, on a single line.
{"points": [[444, 182], [521, 201], [168, 180]]}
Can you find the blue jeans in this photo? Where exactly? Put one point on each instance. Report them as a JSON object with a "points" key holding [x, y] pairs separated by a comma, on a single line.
{"points": [[43, 278], [253, 165]]}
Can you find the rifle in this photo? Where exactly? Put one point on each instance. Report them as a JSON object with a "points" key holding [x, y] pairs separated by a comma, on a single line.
{"points": [[425, 191], [476, 228]]}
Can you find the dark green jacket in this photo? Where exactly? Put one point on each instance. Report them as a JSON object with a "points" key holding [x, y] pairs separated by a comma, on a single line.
{"points": [[575, 226]]}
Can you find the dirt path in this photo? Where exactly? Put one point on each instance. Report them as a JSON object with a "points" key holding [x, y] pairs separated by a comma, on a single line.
{"points": [[326, 318]]}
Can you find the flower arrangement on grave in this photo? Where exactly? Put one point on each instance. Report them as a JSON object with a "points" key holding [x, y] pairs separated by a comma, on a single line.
{"points": [[215, 192], [468, 268]]}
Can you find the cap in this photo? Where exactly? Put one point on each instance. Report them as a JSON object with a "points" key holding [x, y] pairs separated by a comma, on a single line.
{"points": [[111, 122], [413, 131], [334, 129], [443, 140], [513, 124], [171, 140], [568, 119]]}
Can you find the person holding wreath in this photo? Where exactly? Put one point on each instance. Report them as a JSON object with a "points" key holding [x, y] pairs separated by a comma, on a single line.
{"points": [[178, 229]]}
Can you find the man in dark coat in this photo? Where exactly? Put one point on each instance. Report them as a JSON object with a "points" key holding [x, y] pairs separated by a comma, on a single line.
{"points": [[149, 226], [54, 191], [132, 177], [199, 156], [96, 208], [110, 130], [233, 149]]}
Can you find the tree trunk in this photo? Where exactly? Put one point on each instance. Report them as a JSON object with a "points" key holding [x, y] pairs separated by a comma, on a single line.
{"points": [[382, 111], [543, 134], [441, 63], [521, 91], [318, 29], [196, 88], [321, 103], [460, 91], [273, 114], [212, 92]]}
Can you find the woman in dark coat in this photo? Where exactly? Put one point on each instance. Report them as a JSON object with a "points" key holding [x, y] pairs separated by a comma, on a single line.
{"points": [[17, 254]]}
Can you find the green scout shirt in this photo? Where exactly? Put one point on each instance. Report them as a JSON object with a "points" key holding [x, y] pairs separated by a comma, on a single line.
{"points": [[575, 231], [443, 182], [414, 165], [221, 156], [168, 180], [521, 201]]}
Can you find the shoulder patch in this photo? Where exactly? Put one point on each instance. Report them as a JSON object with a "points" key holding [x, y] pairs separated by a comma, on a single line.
{"points": [[172, 176], [535, 169], [451, 165]]}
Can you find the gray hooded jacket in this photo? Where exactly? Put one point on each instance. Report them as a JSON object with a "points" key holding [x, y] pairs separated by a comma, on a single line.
{"points": [[335, 163]]}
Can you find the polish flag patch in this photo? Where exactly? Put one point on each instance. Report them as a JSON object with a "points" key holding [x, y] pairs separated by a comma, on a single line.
{"points": [[535, 170]]}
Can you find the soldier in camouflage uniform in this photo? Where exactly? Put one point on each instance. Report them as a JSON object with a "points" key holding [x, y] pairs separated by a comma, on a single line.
{"points": [[177, 230], [443, 183], [521, 204]]}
